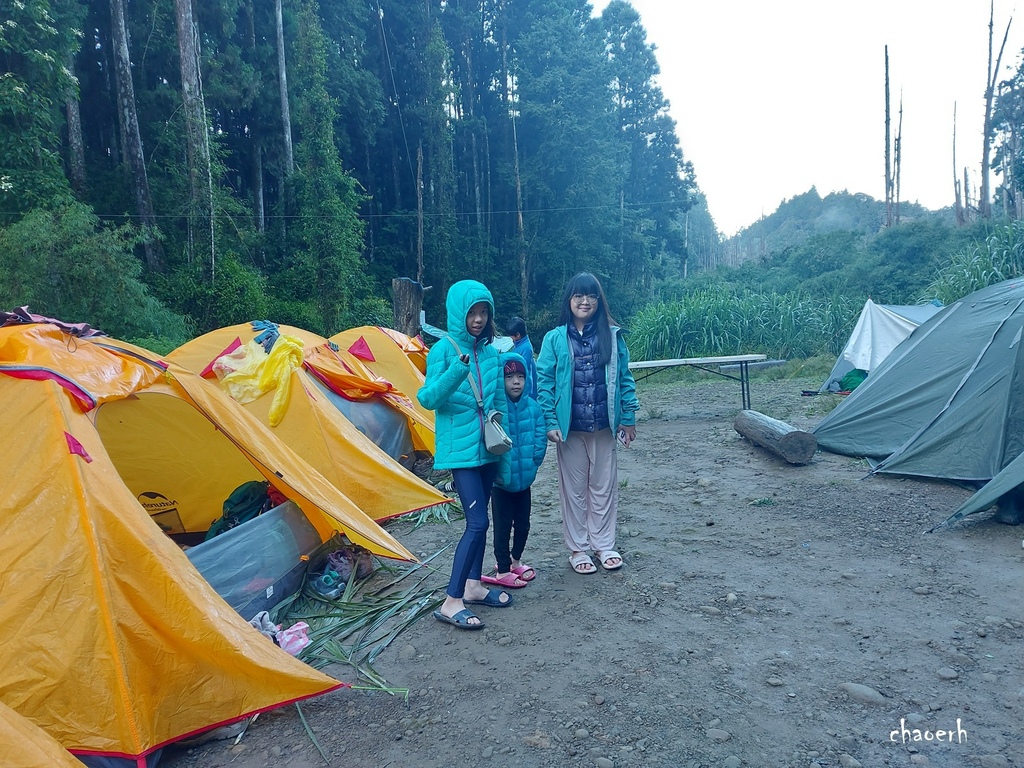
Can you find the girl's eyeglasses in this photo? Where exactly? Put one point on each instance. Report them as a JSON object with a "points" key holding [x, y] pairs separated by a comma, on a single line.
{"points": [[590, 297]]}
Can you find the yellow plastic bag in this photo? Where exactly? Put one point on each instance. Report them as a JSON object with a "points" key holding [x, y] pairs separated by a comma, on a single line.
{"points": [[249, 372]]}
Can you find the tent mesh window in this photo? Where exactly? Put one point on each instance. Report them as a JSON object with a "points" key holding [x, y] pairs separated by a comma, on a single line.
{"points": [[257, 564]]}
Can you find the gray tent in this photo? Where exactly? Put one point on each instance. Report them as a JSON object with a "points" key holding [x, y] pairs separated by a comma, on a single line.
{"points": [[948, 402]]}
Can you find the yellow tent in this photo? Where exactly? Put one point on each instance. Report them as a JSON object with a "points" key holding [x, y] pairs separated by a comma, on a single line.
{"points": [[115, 644], [412, 346], [400, 360], [179, 444], [27, 746], [317, 431]]}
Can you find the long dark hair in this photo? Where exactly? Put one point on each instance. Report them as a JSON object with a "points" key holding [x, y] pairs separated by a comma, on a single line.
{"points": [[585, 282], [487, 334]]}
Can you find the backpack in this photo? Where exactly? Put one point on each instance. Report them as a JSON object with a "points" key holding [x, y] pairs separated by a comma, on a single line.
{"points": [[245, 502]]}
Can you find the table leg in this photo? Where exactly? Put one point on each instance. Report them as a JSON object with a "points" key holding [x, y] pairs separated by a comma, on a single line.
{"points": [[745, 385]]}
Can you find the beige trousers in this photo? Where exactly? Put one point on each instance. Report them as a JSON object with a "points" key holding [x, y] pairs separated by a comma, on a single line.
{"points": [[588, 487]]}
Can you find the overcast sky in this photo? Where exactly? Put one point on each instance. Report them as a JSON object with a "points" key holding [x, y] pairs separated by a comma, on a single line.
{"points": [[772, 98]]}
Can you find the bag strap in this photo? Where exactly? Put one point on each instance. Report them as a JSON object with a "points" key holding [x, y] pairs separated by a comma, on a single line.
{"points": [[472, 381]]}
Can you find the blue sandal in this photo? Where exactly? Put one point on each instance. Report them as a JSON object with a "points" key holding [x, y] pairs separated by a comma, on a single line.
{"points": [[493, 599], [460, 619]]}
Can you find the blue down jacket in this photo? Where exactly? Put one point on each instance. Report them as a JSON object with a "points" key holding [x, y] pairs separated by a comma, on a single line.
{"points": [[458, 422], [517, 469]]}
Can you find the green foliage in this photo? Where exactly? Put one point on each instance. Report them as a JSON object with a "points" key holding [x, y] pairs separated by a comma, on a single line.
{"points": [[715, 322], [64, 263], [1000, 256], [808, 215], [369, 310], [37, 40], [327, 261], [486, 95], [891, 266], [1008, 152], [238, 294], [570, 151], [654, 180]]}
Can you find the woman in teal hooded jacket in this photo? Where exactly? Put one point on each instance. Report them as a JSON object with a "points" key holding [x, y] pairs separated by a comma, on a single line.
{"points": [[459, 446]]}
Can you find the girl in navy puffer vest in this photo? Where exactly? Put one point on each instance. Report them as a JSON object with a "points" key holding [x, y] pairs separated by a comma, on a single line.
{"points": [[459, 445], [588, 396]]}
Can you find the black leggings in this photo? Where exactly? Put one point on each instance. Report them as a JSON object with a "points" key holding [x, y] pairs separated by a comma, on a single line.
{"points": [[511, 511]]}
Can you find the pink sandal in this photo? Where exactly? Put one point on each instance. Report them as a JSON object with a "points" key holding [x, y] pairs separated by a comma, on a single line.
{"points": [[509, 581], [525, 572]]}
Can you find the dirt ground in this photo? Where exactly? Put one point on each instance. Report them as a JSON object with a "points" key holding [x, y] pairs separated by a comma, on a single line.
{"points": [[767, 615]]}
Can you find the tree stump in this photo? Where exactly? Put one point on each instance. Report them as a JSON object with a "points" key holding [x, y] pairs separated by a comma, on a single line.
{"points": [[785, 441], [406, 300]]}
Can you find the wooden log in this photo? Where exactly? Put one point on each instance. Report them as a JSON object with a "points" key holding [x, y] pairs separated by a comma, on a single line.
{"points": [[785, 441]]}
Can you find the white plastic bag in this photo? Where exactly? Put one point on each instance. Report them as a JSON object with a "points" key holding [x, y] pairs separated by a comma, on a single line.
{"points": [[295, 638]]}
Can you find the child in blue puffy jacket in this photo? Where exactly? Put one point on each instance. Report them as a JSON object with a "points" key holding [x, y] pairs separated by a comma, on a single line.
{"points": [[517, 469]]}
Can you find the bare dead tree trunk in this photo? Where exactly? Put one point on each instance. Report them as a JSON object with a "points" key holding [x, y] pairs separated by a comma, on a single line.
{"points": [[899, 158], [282, 81], [888, 150], [984, 203], [474, 148], [1012, 195], [967, 198], [784, 440], [200, 173], [371, 227], [958, 205], [686, 240], [256, 139], [131, 138]]}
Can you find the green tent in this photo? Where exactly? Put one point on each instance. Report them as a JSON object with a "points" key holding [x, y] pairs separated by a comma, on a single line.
{"points": [[948, 402]]}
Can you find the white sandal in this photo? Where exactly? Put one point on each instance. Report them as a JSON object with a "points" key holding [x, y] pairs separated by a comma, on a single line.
{"points": [[579, 562], [610, 554]]}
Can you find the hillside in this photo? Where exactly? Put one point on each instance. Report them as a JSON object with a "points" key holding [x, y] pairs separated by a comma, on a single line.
{"points": [[806, 215]]}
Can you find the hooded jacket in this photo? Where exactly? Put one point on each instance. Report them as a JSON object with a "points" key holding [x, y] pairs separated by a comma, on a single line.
{"points": [[554, 381], [458, 421], [517, 469], [524, 349]]}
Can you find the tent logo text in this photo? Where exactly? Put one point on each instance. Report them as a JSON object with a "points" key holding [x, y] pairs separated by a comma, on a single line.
{"points": [[162, 510], [155, 503]]}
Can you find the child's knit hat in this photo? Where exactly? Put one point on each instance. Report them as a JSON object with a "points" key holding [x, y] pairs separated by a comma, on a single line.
{"points": [[514, 366]]}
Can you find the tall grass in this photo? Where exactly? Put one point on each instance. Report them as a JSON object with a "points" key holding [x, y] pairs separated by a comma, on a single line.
{"points": [[1000, 256], [714, 322]]}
